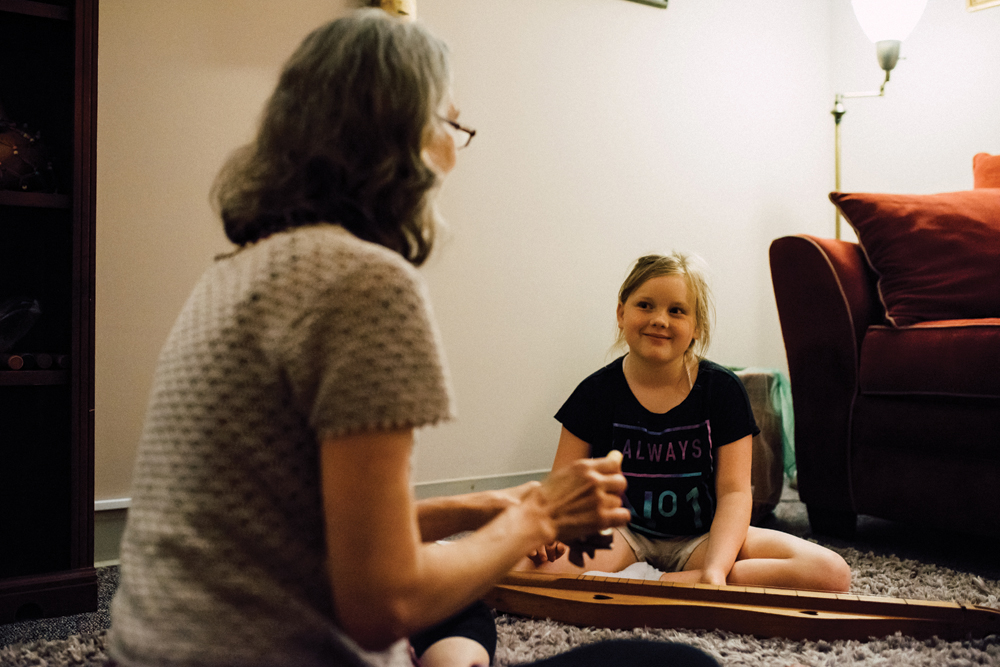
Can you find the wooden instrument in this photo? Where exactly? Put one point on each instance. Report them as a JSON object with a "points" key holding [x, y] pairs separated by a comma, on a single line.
{"points": [[624, 604]]}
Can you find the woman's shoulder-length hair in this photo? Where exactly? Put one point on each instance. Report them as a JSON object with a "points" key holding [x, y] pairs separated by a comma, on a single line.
{"points": [[340, 138]]}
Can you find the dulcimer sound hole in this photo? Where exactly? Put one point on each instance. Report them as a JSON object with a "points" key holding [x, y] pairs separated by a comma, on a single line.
{"points": [[810, 612], [603, 597]]}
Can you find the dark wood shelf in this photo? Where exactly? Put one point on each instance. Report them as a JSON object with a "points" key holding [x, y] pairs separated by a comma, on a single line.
{"points": [[34, 378], [34, 199], [48, 56], [43, 10], [47, 596]]}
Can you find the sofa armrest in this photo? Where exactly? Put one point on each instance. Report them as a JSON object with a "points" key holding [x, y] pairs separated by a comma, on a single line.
{"points": [[826, 300]]}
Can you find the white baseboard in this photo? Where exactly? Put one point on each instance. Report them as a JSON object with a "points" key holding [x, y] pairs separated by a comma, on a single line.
{"points": [[110, 515], [453, 487], [112, 504]]}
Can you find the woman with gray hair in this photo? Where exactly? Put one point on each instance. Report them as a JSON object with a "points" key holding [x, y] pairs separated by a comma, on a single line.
{"points": [[273, 520]]}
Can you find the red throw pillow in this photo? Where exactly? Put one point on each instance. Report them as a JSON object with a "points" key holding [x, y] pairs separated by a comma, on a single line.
{"points": [[937, 256], [986, 170]]}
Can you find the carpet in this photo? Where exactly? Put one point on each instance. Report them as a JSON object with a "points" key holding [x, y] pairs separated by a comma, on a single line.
{"points": [[885, 559]]}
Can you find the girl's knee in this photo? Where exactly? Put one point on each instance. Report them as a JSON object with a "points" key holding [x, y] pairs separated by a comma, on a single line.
{"points": [[841, 573], [832, 572]]}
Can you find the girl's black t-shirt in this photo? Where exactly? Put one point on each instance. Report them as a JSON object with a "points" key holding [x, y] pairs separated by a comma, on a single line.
{"points": [[668, 459]]}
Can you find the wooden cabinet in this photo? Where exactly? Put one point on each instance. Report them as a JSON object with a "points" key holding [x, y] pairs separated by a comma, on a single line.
{"points": [[48, 88]]}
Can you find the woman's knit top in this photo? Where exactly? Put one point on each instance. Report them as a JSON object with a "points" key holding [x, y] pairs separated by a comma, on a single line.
{"points": [[307, 333]]}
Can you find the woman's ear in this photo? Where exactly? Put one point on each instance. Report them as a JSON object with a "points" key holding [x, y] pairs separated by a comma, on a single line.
{"points": [[438, 152]]}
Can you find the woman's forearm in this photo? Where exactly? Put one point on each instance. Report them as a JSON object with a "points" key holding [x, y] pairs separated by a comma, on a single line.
{"points": [[384, 599], [387, 583], [448, 577], [443, 578], [445, 516]]}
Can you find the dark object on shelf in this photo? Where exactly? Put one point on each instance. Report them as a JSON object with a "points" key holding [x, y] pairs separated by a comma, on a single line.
{"points": [[25, 162], [14, 362], [27, 361], [17, 316]]}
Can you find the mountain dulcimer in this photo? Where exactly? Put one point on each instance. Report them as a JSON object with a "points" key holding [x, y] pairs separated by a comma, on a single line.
{"points": [[765, 612]]}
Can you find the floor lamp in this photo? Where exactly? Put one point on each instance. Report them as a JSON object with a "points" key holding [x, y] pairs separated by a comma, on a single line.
{"points": [[887, 23]]}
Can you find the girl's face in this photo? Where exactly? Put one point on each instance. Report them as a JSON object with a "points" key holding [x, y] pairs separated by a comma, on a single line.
{"points": [[658, 320], [440, 151]]}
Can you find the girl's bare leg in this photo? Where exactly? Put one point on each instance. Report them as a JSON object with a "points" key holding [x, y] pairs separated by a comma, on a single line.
{"points": [[773, 558]]}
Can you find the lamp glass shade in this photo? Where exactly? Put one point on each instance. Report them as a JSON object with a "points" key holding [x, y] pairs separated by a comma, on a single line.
{"points": [[888, 19]]}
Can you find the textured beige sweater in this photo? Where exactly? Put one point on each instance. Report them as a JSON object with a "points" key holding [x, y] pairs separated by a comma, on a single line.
{"points": [[307, 332]]}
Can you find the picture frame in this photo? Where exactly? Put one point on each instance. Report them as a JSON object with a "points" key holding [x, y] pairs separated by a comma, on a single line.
{"points": [[976, 5]]}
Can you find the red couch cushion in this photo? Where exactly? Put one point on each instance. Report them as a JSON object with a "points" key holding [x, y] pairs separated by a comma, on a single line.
{"points": [[986, 171], [937, 256], [959, 358]]}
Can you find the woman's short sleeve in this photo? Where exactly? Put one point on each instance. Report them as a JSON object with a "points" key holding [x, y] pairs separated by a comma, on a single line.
{"points": [[362, 350]]}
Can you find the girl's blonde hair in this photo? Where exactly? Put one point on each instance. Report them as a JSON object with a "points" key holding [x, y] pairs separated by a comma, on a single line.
{"points": [[675, 264]]}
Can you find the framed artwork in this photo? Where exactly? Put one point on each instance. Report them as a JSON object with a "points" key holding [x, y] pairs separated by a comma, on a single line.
{"points": [[974, 5]]}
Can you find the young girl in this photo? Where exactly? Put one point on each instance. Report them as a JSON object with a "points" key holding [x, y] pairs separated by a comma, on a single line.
{"points": [[684, 427]]}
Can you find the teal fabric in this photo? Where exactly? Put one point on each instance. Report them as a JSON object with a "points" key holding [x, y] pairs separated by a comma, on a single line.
{"points": [[781, 402]]}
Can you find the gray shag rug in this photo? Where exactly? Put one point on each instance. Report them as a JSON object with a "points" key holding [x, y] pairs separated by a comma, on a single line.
{"points": [[885, 559]]}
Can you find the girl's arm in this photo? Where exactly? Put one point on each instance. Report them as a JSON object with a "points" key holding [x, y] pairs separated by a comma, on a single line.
{"points": [[571, 448], [387, 583], [732, 513]]}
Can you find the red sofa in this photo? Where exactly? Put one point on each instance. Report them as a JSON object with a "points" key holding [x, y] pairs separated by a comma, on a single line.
{"points": [[893, 348]]}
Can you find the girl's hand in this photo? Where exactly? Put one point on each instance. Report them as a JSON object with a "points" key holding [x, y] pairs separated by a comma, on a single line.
{"points": [[713, 577], [547, 553]]}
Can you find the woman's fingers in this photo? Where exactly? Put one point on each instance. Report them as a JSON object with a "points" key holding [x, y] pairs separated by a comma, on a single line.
{"points": [[585, 497]]}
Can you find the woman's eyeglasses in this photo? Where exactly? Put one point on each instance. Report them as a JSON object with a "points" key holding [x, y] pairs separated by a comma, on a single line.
{"points": [[465, 134]]}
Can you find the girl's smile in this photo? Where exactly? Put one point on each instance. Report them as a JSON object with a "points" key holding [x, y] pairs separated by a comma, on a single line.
{"points": [[658, 320]]}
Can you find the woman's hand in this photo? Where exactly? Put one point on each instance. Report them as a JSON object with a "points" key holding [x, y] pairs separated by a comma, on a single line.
{"points": [[516, 494], [582, 498], [445, 516]]}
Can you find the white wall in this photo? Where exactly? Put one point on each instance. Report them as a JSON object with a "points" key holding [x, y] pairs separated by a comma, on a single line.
{"points": [[941, 105], [180, 85], [607, 129]]}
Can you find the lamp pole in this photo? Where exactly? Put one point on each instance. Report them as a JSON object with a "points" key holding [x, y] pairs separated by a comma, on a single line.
{"points": [[886, 23], [888, 54], [838, 113]]}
